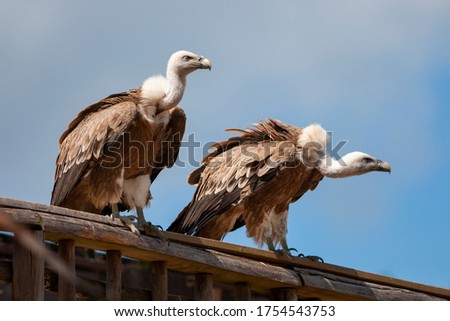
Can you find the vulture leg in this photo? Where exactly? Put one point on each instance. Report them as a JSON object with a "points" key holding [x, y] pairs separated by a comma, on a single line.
{"points": [[149, 227], [270, 244], [285, 249], [127, 220]]}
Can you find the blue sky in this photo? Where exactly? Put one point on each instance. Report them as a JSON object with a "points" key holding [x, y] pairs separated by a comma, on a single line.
{"points": [[375, 73]]}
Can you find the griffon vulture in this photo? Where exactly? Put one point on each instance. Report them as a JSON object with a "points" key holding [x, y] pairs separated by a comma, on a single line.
{"points": [[114, 149], [251, 180]]}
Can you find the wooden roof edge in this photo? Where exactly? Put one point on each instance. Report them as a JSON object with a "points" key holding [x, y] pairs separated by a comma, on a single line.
{"points": [[239, 250], [306, 264]]}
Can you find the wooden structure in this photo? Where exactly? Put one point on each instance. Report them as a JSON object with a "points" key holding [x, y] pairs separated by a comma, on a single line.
{"points": [[201, 266]]}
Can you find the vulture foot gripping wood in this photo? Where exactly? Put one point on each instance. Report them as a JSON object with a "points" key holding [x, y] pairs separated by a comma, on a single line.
{"points": [[139, 224]]}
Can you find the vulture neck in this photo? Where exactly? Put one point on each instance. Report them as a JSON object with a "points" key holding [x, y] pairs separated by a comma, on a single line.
{"points": [[340, 168], [175, 90]]}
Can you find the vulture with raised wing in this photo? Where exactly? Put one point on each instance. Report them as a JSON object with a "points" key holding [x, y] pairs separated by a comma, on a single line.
{"points": [[251, 179], [114, 149]]}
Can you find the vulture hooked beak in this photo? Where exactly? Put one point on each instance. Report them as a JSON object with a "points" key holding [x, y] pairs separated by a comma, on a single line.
{"points": [[204, 63], [383, 166]]}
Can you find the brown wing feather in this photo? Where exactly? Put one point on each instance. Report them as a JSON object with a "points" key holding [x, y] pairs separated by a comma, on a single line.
{"points": [[212, 197], [268, 130], [102, 104], [171, 146], [228, 179], [94, 128], [309, 184], [170, 138]]}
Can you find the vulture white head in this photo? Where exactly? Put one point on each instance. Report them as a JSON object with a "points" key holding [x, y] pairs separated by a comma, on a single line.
{"points": [[166, 92], [184, 62], [314, 141], [352, 164]]}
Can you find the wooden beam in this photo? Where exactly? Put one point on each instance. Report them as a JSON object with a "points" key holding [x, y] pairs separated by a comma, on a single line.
{"points": [[66, 288], [228, 263], [328, 286], [5, 271], [242, 291], [186, 259], [113, 275], [251, 253], [28, 270], [203, 287], [159, 281], [97, 288]]}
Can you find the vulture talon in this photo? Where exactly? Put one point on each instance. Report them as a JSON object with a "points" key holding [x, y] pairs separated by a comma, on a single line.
{"points": [[283, 252], [286, 252], [292, 249], [314, 258], [127, 220], [150, 229]]}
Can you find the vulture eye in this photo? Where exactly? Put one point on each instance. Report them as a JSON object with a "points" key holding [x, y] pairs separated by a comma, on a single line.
{"points": [[186, 58], [367, 160]]}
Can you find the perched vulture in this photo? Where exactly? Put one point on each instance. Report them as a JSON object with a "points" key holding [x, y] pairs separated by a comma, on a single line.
{"points": [[251, 180], [114, 149]]}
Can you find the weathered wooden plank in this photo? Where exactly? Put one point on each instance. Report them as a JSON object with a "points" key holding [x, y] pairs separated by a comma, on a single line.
{"points": [[61, 211], [66, 288], [227, 276], [282, 260], [242, 291], [5, 271], [97, 289], [327, 286], [283, 294], [28, 270], [113, 275], [225, 268], [203, 287], [159, 281]]}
